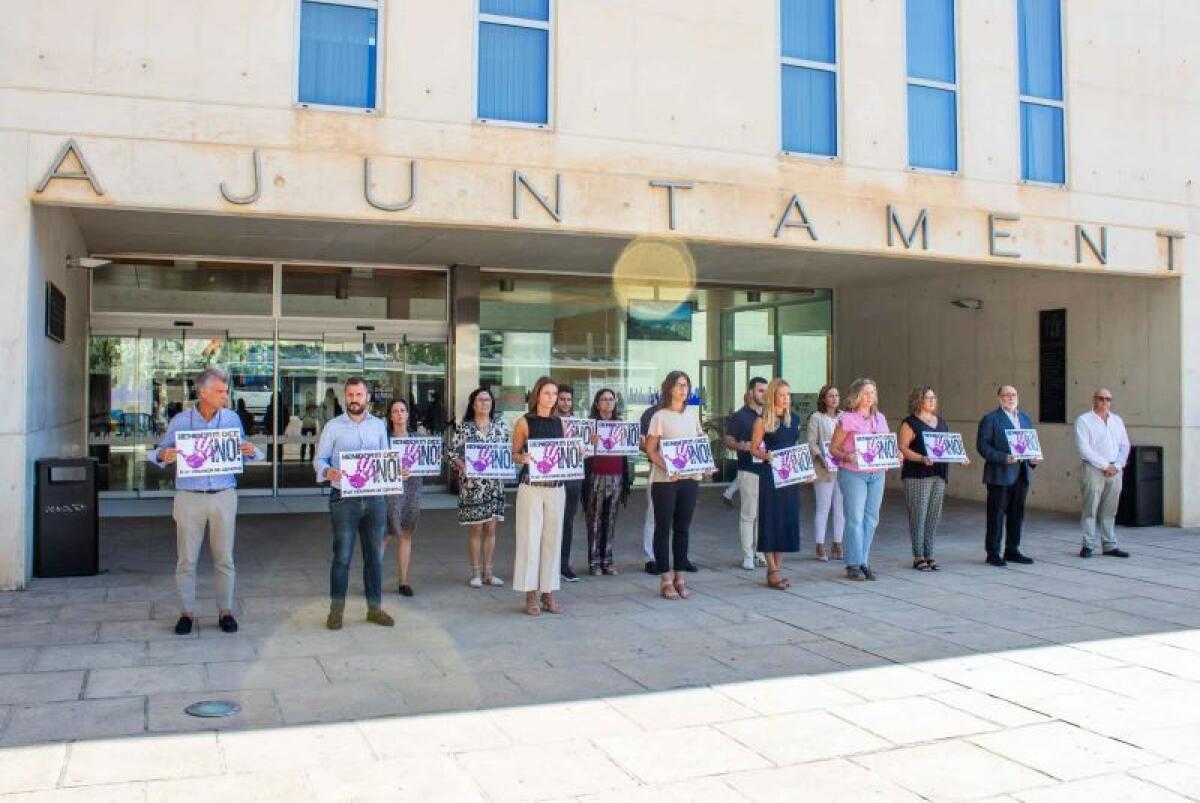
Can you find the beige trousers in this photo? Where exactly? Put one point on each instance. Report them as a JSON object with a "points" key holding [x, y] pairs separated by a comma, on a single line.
{"points": [[537, 563], [192, 513]]}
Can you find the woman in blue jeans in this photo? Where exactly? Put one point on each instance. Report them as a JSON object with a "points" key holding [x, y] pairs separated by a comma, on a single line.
{"points": [[860, 483]]}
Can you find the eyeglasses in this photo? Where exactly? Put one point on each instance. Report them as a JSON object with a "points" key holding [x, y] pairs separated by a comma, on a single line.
{"points": [[1103, 398], [682, 384]]}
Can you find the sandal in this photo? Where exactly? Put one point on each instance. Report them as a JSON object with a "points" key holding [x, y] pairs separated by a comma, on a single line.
{"points": [[920, 564], [681, 587], [531, 606], [490, 579], [932, 565], [779, 583], [551, 604], [667, 589]]}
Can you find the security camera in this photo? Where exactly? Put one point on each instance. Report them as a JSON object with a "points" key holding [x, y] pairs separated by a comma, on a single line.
{"points": [[87, 263]]}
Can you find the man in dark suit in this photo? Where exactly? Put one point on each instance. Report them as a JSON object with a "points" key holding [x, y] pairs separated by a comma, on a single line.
{"points": [[1007, 479]]}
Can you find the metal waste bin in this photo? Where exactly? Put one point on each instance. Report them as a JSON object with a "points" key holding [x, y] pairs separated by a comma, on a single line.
{"points": [[66, 536], [1141, 502]]}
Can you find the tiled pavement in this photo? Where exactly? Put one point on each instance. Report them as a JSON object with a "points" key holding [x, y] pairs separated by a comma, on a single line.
{"points": [[1064, 680]]}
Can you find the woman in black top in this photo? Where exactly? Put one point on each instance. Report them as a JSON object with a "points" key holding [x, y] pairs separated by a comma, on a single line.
{"points": [[924, 480], [539, 506]]}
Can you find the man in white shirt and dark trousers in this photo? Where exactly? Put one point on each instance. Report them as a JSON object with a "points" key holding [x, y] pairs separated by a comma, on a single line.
{"points": [[1103, 446]]}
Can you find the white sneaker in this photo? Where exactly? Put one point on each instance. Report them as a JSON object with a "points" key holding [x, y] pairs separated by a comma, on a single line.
{"points": [[760, 560], [748, 563], [496, 581], [477, 582]]}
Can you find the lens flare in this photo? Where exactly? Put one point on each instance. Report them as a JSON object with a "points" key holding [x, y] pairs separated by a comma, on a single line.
{"points": [[652, 261]]}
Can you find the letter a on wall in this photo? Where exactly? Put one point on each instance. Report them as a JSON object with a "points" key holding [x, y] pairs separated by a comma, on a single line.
{"points": [[84, 173]]}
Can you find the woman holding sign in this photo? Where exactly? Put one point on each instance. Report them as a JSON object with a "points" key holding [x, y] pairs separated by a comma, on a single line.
{"points": [[480, 500], [778, 507], [540, 505], [826, 493], [673, 485], [605, 488], [924, 478], [405, 508], [861, 481]]}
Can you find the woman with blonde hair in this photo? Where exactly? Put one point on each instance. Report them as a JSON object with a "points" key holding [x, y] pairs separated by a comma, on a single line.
{"points": [[826, 494], [778, 508], [861, 485]]}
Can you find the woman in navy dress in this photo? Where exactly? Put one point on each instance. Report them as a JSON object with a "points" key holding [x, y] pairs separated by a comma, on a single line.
{"points": [[778, 508]]}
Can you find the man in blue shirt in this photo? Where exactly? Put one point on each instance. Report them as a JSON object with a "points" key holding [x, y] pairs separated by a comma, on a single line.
{"points": [[209, 500], [355, 430], [737, 438]]}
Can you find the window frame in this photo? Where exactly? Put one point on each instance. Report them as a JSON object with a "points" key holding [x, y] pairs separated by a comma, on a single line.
{"points": [[1040, 101], [378, 6], [955, 88], [835, 67], [547, 25]]}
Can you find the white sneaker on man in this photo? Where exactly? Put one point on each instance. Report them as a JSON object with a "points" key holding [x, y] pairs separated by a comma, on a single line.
{"points": [[748, 563], [760, 559]]}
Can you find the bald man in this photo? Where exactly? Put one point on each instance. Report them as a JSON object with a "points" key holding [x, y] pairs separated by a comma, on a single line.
{"points": [[1103, 447], [1007, 479]]}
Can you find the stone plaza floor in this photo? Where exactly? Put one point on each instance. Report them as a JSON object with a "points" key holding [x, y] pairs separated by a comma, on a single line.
{"points": [[1069, 679]]}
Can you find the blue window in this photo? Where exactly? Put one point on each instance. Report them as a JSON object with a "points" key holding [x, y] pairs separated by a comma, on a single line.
{"points": [[932, 85], [809, 78], [1043, 110], [339, 53], [514, 61]]}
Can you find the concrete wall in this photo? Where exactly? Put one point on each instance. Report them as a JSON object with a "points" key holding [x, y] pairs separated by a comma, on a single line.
{"points": [[1122, 333]]}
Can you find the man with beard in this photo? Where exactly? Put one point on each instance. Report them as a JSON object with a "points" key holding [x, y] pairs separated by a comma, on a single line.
{"points": [[355, 430]]}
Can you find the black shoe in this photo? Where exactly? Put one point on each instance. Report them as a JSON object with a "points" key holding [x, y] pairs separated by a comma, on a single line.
{"points": [[183, 626], [570, 576], [406, 591], [1017, 557], [652, 567], [1085, 552], [996, 560], [690, 567], [1116, 553], [867, 573], [227, 623]]}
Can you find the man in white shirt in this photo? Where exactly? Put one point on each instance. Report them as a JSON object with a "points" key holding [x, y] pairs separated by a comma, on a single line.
{"points": [[1103, 446]]}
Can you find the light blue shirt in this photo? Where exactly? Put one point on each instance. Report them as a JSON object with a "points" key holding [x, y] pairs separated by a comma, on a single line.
{"points": [[344, 434], [187, 421]]}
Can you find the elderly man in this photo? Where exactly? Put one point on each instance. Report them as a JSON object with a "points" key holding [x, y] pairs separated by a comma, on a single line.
{"points": [[1103, 447], [205, 501], [361, 517], [1007, 478]]}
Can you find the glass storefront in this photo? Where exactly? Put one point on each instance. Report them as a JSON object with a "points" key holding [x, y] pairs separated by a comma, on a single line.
{"points": [[156, 324], [576, 330]]}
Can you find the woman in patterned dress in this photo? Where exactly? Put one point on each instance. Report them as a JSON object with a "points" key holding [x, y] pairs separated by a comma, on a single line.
{"points": [[480, 501]]}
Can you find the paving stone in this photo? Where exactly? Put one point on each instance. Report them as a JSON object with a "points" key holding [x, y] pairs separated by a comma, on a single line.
{"points": [[260, 787], [952, 770], [658, 756], [294, 749], [266, 673], [138, 680], [339, 702], [835, 779], [105, 761], [1112, 789], [81, 719], [27, 769], [259, 710], [1064, 751], [535, 772], [90, 656], [40, 687], [408, 736], [805, 736], [681, 708], [16, 659]]}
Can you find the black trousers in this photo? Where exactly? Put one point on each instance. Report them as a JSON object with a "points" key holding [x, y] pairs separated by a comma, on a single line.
{"points": [[574, 488], [1005, 514], [674, 503]]}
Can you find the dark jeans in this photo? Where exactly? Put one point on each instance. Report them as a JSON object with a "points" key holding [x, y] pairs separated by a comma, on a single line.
{"points": [[570, 507], [366, 517], [1005, 514], [674, 503]]}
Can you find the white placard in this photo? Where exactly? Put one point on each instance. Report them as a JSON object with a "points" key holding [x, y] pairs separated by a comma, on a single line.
{"points": [[208, 452], [618, 437], [944, 447], [1024, 444], [372, 473], [422, 456], [831, 462], [555, 459], [687, 455], [792, 466], [581, 428], [877, 450], [489, 461]]}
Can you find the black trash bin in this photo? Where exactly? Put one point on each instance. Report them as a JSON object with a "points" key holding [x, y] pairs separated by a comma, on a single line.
{"points": [[1141, 502], [66, 536]]}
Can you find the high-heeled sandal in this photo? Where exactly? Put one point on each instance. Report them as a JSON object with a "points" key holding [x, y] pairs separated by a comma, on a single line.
{"points": [[551, 604], [532, 607], [667, 589], [681, 587], [780, 582]]}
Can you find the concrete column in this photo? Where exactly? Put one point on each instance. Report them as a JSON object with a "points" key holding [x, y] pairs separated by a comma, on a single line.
{"points": [[464, 335]]}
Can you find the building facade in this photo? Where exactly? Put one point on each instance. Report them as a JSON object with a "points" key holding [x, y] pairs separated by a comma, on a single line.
{"points": [[442, 195]]}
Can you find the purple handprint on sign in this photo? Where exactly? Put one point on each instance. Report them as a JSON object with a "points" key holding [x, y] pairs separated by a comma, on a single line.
{"points": [[361, 474], [409, 458], [205, 448], [481, 461], [938, 447], [868, 456], [679, 459], [549, 459]]}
